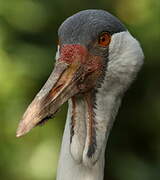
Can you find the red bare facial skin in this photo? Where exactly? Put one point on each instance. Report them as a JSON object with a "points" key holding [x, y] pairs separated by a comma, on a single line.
{"points": [[70, 53]]}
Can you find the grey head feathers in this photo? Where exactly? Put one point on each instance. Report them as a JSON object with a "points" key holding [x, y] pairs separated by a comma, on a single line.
{"points": [[84, 27]]}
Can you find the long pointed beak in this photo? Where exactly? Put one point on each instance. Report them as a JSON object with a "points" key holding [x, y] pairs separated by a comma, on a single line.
{"points": [[61, 85]]}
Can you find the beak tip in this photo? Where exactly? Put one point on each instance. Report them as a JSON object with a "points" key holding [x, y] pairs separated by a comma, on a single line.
{"points": [[18, 135], [22, 129], [19, 132]]}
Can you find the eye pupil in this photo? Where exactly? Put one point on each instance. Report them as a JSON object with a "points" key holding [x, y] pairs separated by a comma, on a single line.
{"points": [[104, 39]]}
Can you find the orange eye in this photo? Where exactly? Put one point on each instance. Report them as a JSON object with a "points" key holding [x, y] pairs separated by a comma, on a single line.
{"points": [[104, 39]]}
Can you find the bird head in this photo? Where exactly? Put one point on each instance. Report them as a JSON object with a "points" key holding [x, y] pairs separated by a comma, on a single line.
{"points": [[88, 42]]}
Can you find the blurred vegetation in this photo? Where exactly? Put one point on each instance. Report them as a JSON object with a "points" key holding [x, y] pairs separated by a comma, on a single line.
{"points": [[28, 38]]}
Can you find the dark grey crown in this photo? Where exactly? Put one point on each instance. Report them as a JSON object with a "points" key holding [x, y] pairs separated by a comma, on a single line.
{"points": [[84, 26]]}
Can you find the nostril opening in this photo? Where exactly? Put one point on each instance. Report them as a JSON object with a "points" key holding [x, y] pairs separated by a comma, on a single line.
{"points": [[58, 87], [54, 91]]}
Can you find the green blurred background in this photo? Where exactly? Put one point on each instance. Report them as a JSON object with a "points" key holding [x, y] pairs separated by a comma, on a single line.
{"points": [[28, 39]]}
